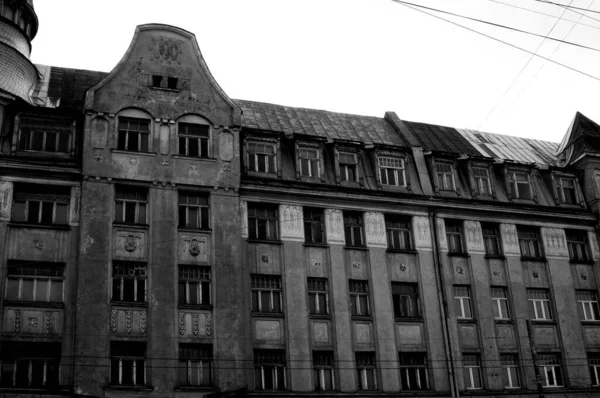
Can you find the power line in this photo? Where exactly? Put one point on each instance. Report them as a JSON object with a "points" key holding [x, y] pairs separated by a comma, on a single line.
{"points": [[569, 6], [501, 41], [548, 15], [502, 26], [573, 11]]}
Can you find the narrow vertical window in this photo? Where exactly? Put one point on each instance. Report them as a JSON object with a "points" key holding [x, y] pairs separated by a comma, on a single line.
{"points": [[262, 157], [519, 185], [269, 370], [365, 369], [130, 205], [348, 166], [462, 302], [481, 178], [510, 370], [398, 231], [565, 189], [323, 371], [472, 371], [194, 285], [454, 234], [444, 173], [359, 298], [318, 296], [594, 364], [500, 302], [529, 242], [413, 371], [195, 364], [266, 294], [491, 239], [314, 225], [309, 162], [353, 229]]}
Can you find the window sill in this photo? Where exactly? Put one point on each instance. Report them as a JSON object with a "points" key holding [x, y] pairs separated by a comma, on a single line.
{"points": [[62, 227], [362, 318], [33, 390], [205, 307], [39, 304], [409, 320], [184, 388], [134, 226], [495, 256], [587, 262], [267, 314], [363, 248], [466, 320], [458, 254], [128, 388], [319, 316], [44, 154], [252, 173], [188, 229], [128, 304], [538, 259], [195, 158], [585, 322], [407, 251], [149, 154], [504, 321], [543, 322], [172, 90], [315, 244], [274, 242]]}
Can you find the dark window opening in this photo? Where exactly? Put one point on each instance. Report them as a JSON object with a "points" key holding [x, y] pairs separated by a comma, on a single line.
{"points": [[172, 83], [156, 80]]}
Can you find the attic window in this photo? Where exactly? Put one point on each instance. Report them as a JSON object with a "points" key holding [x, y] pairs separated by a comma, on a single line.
{"points": [[172, 83], [156, 80]]}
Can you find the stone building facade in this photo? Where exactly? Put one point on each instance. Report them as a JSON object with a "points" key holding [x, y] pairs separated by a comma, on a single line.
{"points": [[161, 239]]}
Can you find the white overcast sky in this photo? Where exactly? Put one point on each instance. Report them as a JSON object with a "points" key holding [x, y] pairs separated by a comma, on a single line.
{"points": [[362, 56]]}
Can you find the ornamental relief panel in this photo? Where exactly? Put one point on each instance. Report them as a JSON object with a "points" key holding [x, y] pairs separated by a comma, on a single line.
{"points": [[130, 245], [474, 237], [194, 249], [555, 242], [244, 218], [128, 321], [422, 233], [35, 321], [594, 245], [510, 241], [38, 244], [74, 206], [375, 228], [195, 324], [441, 228], [291, 223], [334, 224], [6, 193]]}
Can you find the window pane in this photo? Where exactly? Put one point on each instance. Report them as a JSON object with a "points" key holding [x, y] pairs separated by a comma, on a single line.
{"points": [[27, 293], [61, 216], [33, 212], [141, 213], [63, 143], [130, 208], [41, 290]]}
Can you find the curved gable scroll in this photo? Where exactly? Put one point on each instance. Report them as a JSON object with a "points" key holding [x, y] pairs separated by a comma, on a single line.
{"points": [[163, 72]]}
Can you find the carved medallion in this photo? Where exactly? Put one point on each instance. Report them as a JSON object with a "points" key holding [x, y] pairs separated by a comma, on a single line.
{"points": [[38, 244], [165, 49], [130, 243], [194, 247]]}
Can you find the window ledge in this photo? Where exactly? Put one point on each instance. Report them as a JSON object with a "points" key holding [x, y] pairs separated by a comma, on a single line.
{"points": [[40, 304], [195, 158], [585, 322], [205, 307], [184, 388], [149, 154], [495, 256], [589, 262], [172, 90], [543, 322], [134, 226], [36, 391], [466, 320], [408, 251], [128, 388], [267, 314], [274, 242], [319, 316], [314, 244], [62, 227], [187, 229], [363, 248], [362, 318], [461, 254], [409, 320], [128, 304], [539, 259], [504, 321], [44, 154]]}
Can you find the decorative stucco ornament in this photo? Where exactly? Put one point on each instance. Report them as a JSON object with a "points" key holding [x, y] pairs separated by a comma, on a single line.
{"points": [[130, 243], [194, 247]]}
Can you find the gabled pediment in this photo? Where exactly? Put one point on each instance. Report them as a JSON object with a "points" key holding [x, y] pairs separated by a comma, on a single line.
{"points": [[164, 73], [582, 136]]}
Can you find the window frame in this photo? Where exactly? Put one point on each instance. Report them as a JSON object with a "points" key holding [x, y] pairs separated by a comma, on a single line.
{"points": [[554, 368], [398, 171], [312, 163], [491, 238], [410, 293], [510, 362], [366, 364], [512, 184], [23, 210], [40, 273], [344, 164], [442, 175], [359, 292], [194, 356], [261, 283], [500, 303], [318, 296], [323, 363], [274, 361], [530, 243], [202, 207], [594, 367], [27, 125], [455, 236], [464, 301], [310, 223], [470, 363], [204, 139], [198, 276], [398, 234], [577, 245], [121, 201], [352, 229], [558, 180], [588, 307], [481, 183], [143, 137], [122, 271], [271, 223], [135, 358], [17, 352], [540, 305], [253, 158], [409, 362]]}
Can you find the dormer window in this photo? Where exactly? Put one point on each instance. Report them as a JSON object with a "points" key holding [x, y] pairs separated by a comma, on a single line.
{"points": [[519, 185], [565, 189], [444, 173], [391, 171], [309, 162], [262, 157], [481, 180], [348, 166], [44, 135]]}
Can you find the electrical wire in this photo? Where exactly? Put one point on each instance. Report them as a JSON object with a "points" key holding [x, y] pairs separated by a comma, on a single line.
{"points": [[548, 15], [569, 6], [577, 12]]}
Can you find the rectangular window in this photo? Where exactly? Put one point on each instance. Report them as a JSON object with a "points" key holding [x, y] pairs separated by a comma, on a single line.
{"points": [[413, 371], [444, 173], [472, 371], [405, 297], [365, 369], [130, 205], [500, 302], [462, 302], [594, 364], [481, 177], [40, 204], [323, 371], [29, 365], [566, 190], [44, 135], [194, 285], [318, 297], [491, 239], [172, 83], [348, 166], [157, 80], [359, 298], [529, 242], [266, 294], [510, 370], [454, 234], [195, 364], [133, 134], [539, 304], [398, 231], [391, 171], [262, 157], [588, 305], [127, 363], [353, 229], [519, 185], [129, 282], [193, 139], [550, 370], [269, 370], [314, 225], [193, 210], [577, 244], [262, 221], [309, 162], [34, 282]]}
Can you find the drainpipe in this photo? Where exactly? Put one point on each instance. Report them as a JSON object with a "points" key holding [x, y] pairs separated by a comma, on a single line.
{"points": [[439, 273]]}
